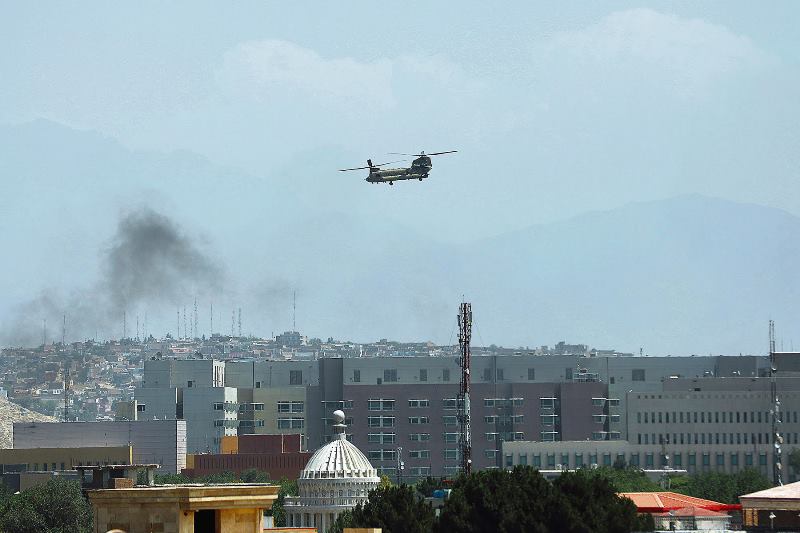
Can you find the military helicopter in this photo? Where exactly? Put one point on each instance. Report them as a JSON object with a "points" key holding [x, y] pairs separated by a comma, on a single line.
{"points": [[419, 169]]}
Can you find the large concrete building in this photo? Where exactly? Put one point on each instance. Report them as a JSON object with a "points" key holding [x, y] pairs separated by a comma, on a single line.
{"points": [[405, 407], [161, 442]]}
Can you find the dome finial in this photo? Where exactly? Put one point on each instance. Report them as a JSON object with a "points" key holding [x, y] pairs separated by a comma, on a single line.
{"points": [[338, 423]]}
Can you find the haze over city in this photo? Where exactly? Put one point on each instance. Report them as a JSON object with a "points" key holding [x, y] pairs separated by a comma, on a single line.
{"points": [[626, 174]]}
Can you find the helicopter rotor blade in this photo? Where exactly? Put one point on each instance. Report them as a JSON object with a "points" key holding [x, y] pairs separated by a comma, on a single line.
{"points": [[420, 155], [373, 166]]}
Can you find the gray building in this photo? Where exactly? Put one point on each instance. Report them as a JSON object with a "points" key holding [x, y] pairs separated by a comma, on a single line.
{"points": [[161, 442]]}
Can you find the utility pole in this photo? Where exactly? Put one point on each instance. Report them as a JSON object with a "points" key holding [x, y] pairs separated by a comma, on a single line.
{"points": [[240, 322], [400, 465], [777, 438], [465, 437]]}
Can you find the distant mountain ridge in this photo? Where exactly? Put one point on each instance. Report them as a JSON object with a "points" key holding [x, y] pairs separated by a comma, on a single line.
{"points": [[688, 274]]}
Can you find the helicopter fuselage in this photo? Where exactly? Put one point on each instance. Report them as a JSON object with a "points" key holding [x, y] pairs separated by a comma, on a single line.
{"points": [[419, 170]]}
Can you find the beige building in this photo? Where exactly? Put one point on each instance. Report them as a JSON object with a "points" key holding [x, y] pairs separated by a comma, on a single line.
{"points": [[57, 459], [233, 508]]}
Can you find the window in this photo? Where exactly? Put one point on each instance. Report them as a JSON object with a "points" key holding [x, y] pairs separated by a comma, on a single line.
{"points": [[390, 375], [418, 403], [283, 407], [382, 455], [258, 384], [720, 459], [140, 408], [356, 375], [295, 377], [252, 423], [706, 459], [537, 460], [450, 454], [531, 374], [419, 454], [381, 438], [380, 405], [449, 420], [523, 459], [423, 374], [499, 374], [421, 471], [446, 374], [418, 420], [748, 459], [291, 423], [419, 437], [568, 374], [547, 403], [487, 374], [762, 459], [490, 454], [637, 374], [190, 384], [380, 421], [452, 403], [451, 437], [734, 459]]}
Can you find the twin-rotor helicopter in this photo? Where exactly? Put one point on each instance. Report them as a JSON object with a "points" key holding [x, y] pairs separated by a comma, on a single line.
{"points": [[419, 169]]}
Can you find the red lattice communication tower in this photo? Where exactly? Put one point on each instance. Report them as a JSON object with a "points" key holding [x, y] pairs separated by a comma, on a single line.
{"points": [[465, 436]]}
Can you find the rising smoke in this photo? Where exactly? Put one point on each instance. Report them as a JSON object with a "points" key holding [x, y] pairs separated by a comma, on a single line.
{"points": [[150, 262]]}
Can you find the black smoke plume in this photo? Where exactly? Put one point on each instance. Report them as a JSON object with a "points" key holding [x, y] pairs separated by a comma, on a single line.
{"points": [[149, 263]]}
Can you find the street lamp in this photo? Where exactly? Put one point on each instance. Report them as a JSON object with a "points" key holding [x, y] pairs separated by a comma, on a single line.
{"points": [[772, 520]]}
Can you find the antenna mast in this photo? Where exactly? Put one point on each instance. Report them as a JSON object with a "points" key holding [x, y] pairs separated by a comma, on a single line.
{"points": [[777, 439], [196, 333], [240, 322], [212, 321], [465, 436], [294, 310], [66, 391]]}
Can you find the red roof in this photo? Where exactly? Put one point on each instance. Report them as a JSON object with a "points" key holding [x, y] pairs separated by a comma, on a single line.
{"points": [[693, 511], [659, 502]]}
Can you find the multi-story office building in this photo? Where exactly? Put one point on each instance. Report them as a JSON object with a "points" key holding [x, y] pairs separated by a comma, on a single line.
{"points": [[700, 424], [406, 406]]}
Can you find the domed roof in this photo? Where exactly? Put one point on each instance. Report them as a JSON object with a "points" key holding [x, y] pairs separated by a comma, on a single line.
{"points": [[340, 458]]}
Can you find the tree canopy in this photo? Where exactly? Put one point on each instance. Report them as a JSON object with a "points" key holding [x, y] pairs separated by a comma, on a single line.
{"points": [[56, 506], [522, 500], [719, 486], [394, 509]]}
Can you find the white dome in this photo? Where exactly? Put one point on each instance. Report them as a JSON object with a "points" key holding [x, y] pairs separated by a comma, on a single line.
{"points": [[340, 458]]}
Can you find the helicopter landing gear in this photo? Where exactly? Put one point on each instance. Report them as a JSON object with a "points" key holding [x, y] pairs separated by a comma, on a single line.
{"points": [[391, 183], [420, 179]]}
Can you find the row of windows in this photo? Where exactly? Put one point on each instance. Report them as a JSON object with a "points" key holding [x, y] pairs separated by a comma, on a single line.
{"points": [[607, 459], [716, 417], [417, 471], [390, 375], [247, 407], [710, 438], [391, 438], [388, 454]]}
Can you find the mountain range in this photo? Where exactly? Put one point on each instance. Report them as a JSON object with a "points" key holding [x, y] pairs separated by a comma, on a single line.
{"points": [[681, 275]]}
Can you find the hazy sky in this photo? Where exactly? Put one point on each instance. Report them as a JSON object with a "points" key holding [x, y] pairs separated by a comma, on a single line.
{"points": [[556, 108]]}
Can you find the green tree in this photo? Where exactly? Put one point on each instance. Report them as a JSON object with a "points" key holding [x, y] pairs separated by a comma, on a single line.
{"points": [[254, 475], [345, 519], [628, 479], [722, 487], [522, 500], [56, 506], [590, 503], [794, 460], [427, 485], [385, 482], [395, 509], [497, 500], [288, 488]]}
